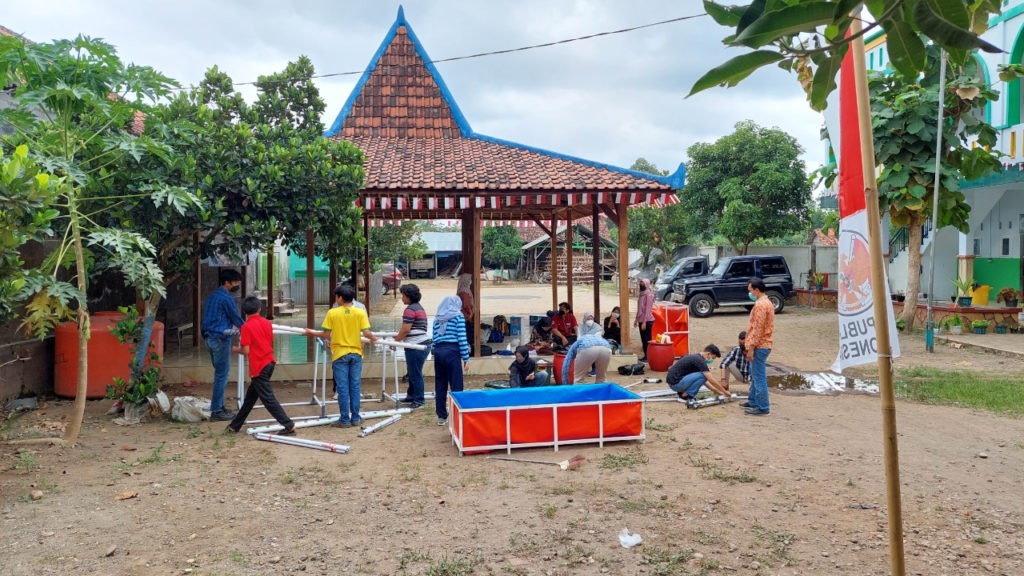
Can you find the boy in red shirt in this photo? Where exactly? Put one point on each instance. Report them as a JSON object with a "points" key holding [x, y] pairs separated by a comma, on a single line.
{"points": [[257, 342]]}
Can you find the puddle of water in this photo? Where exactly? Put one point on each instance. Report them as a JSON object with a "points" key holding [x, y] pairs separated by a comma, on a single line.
{"points": [[821, 383]]}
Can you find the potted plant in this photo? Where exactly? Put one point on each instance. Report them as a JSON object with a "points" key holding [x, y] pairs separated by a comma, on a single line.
{"points": [[953, 324], [901, 325], [1000, 328], [819, 281], [1008, 296], [979, 326], [963, 288], [898, 296]]}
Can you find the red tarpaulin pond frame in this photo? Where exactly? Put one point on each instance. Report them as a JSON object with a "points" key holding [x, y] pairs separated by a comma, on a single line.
{"points": [[485, 420]]}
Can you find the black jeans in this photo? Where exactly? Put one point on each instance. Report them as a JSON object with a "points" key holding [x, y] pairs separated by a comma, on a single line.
{"points": [[259, 389], [645, 335]]}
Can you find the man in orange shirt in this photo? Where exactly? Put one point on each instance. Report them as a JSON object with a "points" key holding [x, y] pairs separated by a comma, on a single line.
{"points": [[758, 346]]}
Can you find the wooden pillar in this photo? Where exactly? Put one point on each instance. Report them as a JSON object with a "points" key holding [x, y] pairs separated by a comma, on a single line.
{"points": [[476, 248], [270, 284], [570, 228], [197, 302], [554, 262], [310, 292], [332, 280], [366, 266], [596, 258], [623, 270]]}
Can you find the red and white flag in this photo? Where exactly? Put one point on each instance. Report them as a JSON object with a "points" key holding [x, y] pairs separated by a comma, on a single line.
{"points": [[858, 343]]}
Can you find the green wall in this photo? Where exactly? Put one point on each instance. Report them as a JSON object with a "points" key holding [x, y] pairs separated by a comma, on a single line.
{"points": [[997, 273]]}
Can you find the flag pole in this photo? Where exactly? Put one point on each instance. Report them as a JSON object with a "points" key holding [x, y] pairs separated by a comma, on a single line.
{"points": [[929, 325], [886, 394]]}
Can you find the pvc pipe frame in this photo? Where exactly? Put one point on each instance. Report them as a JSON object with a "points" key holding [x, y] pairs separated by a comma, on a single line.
{"points": [[327, 420], [303, 442], [371, 429]]}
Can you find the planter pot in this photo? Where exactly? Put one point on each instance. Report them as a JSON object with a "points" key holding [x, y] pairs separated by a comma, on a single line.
{"points": [[979, 330], [964, 300], [1011, 303], [819, 287], [956, 330], [898, 298], [1000, 329]]}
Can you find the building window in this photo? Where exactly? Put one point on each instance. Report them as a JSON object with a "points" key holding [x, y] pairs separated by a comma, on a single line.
{"points": [[977, 247], [1006, 246]]}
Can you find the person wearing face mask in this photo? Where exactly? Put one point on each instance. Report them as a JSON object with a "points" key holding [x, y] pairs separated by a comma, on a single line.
{"points": [[566, 326], [220, 318], [523, 373], [613, 326], [590, 327], [692, 371], [758, 346], [645, 314]]}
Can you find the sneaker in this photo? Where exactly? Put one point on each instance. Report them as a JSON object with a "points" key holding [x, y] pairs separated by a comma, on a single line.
{"points": [[415, 405], [757, 412], [442, 421], [222, 416], [340, 424], [592, 373], [287, 432], [357, 421], [406, 400], [644, 359], [746, 405]]}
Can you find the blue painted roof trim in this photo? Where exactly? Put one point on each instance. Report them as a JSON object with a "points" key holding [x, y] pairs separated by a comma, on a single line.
{"points": [[675, 180]]}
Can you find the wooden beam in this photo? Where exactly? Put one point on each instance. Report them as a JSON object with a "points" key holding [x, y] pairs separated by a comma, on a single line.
{"points": [[270, 283], [554, 262], [542, 226], [570, 228], [197, 302], [595, 248], [610, 212], [623, 271], [366, 266]]}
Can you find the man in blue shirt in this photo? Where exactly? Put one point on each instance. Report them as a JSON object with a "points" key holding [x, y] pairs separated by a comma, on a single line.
{"points": [[220, 318], [587, 351]]}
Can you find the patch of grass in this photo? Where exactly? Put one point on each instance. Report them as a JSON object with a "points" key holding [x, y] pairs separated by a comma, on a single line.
{"points": [[997, 394], [707, 538], [157, 457], [548, 511], [410, 557], [522, 544], [194, 431], [650, 424], [641, 506], [25, 461], [561, 490], [288, 478], [629, 460], [712, 470], [576, 555], [778, 542], [469, 480], [238, 558], [407, 473], [666, 562], [452, 567], [981, 540]]}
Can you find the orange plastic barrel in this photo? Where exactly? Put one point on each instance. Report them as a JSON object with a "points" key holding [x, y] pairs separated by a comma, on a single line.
{"points": [[108, 358], [559, 360], [660, 356]]}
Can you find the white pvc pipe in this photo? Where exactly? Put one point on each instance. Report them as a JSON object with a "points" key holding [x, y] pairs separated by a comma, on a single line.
{"points": [[328, 420], [288, 329], [303, 442], [371, 429], [397, 344]]}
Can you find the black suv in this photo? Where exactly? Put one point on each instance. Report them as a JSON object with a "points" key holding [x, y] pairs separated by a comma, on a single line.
{"points": [[726, 285]]}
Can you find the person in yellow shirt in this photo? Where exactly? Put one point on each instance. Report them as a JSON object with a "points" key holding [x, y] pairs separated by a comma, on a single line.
{"points": [[344, 326]]}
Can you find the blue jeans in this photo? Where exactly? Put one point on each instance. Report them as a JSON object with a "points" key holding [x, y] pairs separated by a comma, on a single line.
{"points": [[759, 379], [447, 374], [220, 356], [540, 378], [348, 378], [414, 360], [690, 384]]}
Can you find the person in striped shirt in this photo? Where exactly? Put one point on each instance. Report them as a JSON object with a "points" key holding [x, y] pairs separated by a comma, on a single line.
{"points": [[413, 331], [451, 354]]}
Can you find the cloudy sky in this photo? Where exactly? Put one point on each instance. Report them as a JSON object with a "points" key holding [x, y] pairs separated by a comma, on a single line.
{"points": [[612, 99]]}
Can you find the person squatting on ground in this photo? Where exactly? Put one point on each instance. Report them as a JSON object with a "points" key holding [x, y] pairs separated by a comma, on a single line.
{"points": [[451, 354], [736, 364], [343, 326], [523, 373], [613, 326], [414, 331], [565, 325], [690, 372], [587, 351], [758, 347], [645, 314], [257, 342], [220, 317]]}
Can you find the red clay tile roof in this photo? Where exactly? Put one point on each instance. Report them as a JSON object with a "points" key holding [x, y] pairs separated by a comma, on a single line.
{"points": [[422, 159]]}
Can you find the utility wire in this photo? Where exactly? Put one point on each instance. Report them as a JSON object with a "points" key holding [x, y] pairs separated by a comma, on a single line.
{"points": [[521, 48]]}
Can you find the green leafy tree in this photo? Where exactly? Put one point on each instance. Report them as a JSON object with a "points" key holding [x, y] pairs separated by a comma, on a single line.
{"points": [[905, 135], [27, 196], [74, 103], [750, 184], [655, 229], [809, 37], [502, 246], [398, 242]]}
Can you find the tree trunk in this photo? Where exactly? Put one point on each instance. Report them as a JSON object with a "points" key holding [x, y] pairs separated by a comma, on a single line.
{"points": [[913, 270], [78, 413]]}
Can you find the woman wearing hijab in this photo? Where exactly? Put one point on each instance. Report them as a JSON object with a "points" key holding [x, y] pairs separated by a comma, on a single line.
{"points": [[613, 326], [464, 291], [645, 314], [523, 373], [542, 338], [451, 354], [590, 327]]}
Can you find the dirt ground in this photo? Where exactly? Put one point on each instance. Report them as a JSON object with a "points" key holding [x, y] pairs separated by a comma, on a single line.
{"points": [[710, 491]]}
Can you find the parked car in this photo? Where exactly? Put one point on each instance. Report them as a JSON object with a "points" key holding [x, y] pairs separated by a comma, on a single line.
{"points": [[682, 268], [391, 277], [726, 284]]}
